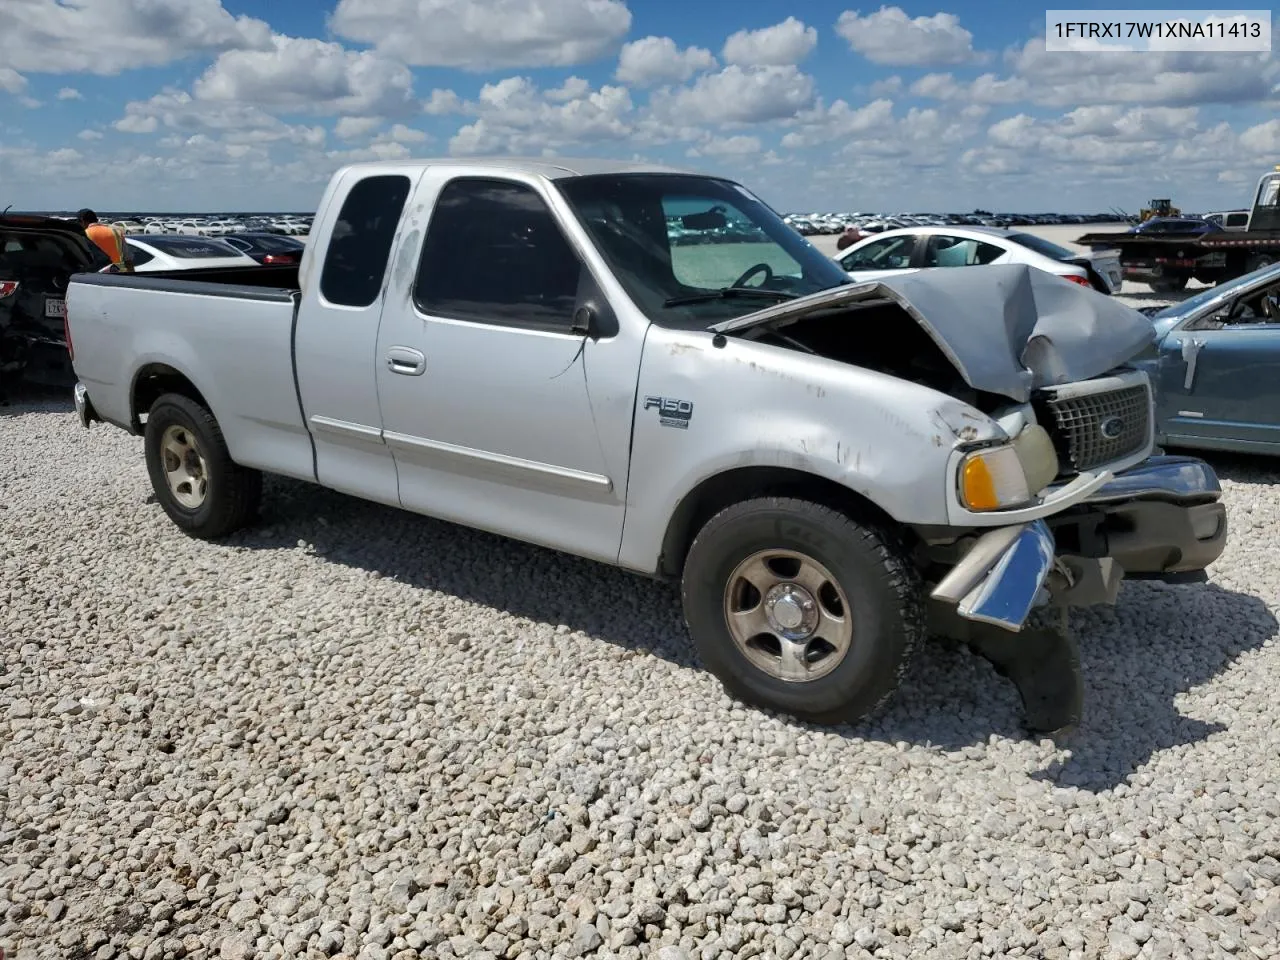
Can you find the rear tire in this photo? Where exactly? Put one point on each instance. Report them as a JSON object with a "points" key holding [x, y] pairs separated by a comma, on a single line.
{"points": [[200, 487], [1169, 284], [867, 604], [1258, 261]]}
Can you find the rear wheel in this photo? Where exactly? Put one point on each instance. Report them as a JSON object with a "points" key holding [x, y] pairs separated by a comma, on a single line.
{"points": [[796, 607], [200, 487], [1258, 261], [1169, 284]]}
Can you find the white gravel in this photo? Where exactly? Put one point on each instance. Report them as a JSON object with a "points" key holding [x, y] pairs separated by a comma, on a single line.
{"points": [[355, 732]]}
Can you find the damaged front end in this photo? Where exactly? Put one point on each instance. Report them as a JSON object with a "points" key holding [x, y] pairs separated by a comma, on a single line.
{"points": [[1067, 500]]}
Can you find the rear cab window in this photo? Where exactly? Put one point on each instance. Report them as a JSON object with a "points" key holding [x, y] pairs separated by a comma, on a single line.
{"points": [[355, 262]]}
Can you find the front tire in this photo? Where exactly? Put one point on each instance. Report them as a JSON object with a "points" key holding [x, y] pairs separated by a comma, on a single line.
{"points": [[796, 607], [200, 487]]}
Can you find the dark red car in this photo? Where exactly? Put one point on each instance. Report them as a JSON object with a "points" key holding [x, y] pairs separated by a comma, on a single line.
{"points": [[268, 248]]}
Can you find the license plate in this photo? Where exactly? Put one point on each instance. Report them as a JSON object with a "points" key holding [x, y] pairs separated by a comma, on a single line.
{"points": [[55, 308]]}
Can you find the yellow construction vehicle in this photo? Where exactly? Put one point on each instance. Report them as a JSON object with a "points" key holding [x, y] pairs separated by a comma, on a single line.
{"points": [[1159, 208]]}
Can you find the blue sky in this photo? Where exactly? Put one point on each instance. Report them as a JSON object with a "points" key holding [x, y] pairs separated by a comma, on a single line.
{"points": [[232, 105]]}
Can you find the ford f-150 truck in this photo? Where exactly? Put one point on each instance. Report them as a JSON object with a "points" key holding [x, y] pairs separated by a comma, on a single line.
{"points": [[651, 369]]}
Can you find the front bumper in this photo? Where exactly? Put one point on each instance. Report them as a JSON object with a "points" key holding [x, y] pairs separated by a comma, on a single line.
{"points": [[84, 406], [1162, 519]]}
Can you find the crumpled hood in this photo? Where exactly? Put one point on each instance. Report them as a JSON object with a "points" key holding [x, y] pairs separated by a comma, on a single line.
{"points": [[1009, 329]]}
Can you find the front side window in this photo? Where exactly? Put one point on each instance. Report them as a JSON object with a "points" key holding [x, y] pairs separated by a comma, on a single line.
{"points": [[494, 253], [888, 253], [360, 244]]}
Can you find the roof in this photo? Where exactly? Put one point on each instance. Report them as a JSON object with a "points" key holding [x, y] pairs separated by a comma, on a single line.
{"points": [[553, 168]]}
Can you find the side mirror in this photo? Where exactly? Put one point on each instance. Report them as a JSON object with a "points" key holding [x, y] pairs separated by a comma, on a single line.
{"points": [[594, 318], [584, 321]]}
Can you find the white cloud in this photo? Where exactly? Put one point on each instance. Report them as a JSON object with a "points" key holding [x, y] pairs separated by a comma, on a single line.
{"points": [[399, 133], [1263, 140], [788, 42], [889, 36], [737, 146], [987, 88], [109, 36], [379, 150], [515, 116], [89, 135], [441, 102], [353, 128], [70, 93], [737, 95], [238, 122], [654, 60], [485, 34], [1155, 78], [309, 75], [839, 121], [138, 123], [11, 81]]}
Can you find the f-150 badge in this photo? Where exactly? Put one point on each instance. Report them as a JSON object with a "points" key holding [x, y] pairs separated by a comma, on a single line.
{"points": [[671, 412]]}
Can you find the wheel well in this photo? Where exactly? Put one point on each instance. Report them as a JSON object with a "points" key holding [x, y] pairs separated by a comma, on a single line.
{"points": [[725, 489], [152, 382]]}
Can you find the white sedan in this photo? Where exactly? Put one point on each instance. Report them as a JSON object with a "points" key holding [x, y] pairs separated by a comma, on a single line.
{"points": [[920, 248], [179, 252]]}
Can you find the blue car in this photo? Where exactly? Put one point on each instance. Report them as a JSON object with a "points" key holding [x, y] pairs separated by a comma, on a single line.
{"points": [[1176, 227], [1215, 367]]}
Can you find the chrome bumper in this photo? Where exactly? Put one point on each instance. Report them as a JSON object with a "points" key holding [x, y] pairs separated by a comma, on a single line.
{"points": [[1173, 479], [84, 406], [1173, 524], [999, 580]]}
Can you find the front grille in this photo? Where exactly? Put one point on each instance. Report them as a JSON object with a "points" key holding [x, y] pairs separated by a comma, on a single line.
{"points": [[1093, 429]]}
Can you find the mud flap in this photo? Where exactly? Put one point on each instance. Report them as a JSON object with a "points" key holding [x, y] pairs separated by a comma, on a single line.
{"points": [[1043, 661]]}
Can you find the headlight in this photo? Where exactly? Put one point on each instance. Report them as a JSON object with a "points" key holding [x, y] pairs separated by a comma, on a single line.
{"points": [[993, 479], [1037, 455]]}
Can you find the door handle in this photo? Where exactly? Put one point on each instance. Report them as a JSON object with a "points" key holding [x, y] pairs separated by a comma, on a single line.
{"points": [[1191, 347], [406, 361]]}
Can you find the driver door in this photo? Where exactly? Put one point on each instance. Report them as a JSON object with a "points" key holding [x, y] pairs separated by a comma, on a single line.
{"points": [[880, 257], [1220, 376]]}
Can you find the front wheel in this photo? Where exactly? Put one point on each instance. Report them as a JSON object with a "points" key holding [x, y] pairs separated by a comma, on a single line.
{"points": [[796, 607], [200, 487]]}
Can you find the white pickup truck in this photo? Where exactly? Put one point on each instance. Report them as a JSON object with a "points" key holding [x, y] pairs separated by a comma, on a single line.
{"points": [[650, 368]]}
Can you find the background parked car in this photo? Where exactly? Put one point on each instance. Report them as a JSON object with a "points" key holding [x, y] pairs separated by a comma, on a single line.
{"points": [[918, 248], [1215, 366], [1181, 226], [38, 255], [179, 252], [268, 248]]}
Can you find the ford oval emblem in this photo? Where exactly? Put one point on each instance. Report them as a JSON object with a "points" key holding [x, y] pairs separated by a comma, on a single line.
{"points": [[1111, 428]]}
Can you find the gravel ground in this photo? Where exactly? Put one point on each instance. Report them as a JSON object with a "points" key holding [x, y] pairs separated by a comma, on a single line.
{"points": [[355, 732]]}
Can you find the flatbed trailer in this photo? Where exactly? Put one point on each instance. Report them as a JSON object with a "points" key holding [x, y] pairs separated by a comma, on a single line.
{"points": [[1167, 263]]}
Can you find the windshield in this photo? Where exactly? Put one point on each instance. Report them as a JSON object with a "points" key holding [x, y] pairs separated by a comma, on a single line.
{"points": [[1043, 246], [673, 238], [1192, 304]]}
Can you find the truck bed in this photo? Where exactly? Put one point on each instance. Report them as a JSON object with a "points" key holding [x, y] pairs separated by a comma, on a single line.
{"points": [[229, 330]]}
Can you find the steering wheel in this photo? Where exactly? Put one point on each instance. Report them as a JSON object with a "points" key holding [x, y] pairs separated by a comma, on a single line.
{"points": [[752, 271]]}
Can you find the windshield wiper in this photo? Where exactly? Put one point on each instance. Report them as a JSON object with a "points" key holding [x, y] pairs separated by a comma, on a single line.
{"points": [[728, 293]]}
